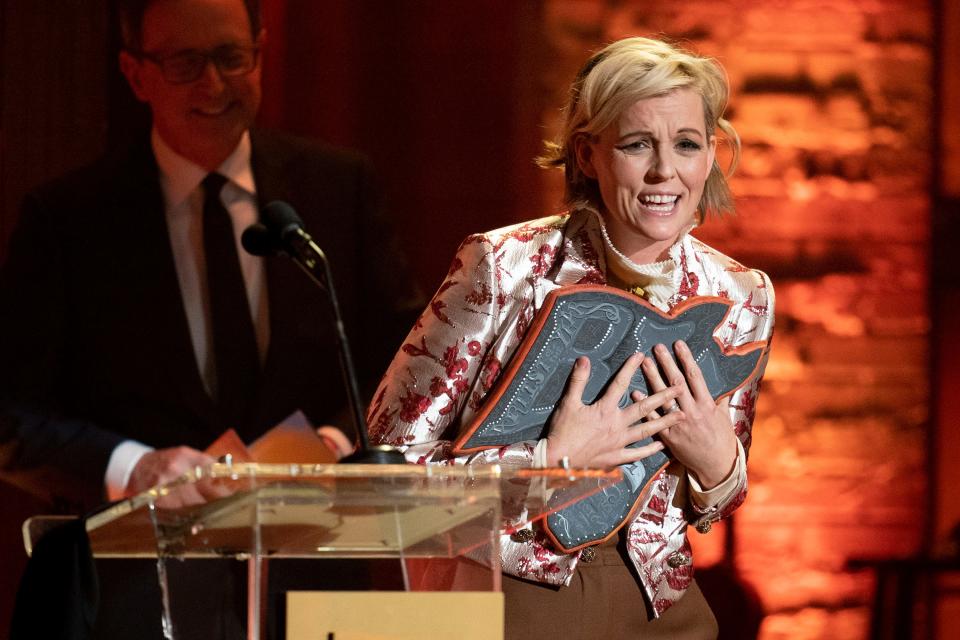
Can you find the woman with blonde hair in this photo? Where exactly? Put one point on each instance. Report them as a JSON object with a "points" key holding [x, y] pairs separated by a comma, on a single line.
{"points": [[638, 149]]}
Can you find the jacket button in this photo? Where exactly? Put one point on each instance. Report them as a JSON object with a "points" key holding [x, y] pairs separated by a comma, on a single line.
{"points": [[588, 554], [522, 535], [704, 526], [678, 559]]}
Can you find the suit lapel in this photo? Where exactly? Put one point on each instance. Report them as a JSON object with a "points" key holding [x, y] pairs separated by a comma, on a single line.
{"points": [[155, 290], [282, 275], [301, 337]]}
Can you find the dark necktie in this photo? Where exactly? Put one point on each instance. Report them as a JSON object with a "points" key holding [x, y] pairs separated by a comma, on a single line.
{"points": [[234, 341]]}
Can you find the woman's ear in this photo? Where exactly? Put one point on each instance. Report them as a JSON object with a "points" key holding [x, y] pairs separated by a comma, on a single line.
{"points": [[583, 150]]}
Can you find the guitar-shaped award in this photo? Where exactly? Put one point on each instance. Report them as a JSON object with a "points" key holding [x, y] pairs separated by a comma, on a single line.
{"points": [[607, 325]]}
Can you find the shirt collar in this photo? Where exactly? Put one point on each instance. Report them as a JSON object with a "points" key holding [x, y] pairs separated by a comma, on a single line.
{"points": [[673, 253], [180, 177], [586, 255]]}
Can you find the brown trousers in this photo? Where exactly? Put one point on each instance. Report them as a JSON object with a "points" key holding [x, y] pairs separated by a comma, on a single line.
{"points": [[603, 602]]}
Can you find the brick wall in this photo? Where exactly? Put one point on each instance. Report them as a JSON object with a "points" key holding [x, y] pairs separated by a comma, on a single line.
{"points": [[833, 103]]}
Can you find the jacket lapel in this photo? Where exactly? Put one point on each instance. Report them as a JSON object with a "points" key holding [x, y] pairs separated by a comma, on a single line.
{"points": [[138, 211], [582, 259], [287, 289]]}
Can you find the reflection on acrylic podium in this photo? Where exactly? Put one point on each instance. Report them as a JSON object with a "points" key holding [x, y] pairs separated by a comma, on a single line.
{"points": [[428, 518]]}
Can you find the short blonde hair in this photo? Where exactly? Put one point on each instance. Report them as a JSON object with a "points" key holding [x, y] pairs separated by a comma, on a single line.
{"points": [[616, 77]]}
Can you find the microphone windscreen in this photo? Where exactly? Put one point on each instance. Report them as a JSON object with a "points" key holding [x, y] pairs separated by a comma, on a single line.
{"points": [[258, 241], [281, 219]]}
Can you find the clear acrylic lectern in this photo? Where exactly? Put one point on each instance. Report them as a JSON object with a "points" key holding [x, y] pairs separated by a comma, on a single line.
{"points": [[259, 512]]}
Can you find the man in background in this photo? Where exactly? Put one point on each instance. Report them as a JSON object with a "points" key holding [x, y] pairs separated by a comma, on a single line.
{"points": [[134, 330], [109, 356]]}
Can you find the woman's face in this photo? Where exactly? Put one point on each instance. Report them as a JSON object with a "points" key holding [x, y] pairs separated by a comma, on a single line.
{"points": [[651, 165]]}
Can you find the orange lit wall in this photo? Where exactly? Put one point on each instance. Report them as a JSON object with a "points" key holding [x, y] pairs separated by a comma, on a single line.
{"points": [[832, 100]]}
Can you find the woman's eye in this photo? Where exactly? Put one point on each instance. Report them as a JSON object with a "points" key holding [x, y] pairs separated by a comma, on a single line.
{"points": [[688, 145], [634, 146]]}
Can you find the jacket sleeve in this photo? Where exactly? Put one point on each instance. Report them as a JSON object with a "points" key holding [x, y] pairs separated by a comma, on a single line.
{"points": [[754, 323], [42, 449], [447, 364]]}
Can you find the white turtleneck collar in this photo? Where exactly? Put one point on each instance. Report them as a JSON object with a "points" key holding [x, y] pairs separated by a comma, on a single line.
{"points": [[658, 279]]}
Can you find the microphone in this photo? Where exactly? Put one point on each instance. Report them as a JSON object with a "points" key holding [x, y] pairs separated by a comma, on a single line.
{"points": [[286, 233], [281, 219], [256, 240], [281, 231]]}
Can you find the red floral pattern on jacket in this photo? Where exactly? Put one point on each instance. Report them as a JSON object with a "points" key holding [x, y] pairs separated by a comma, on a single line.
{"points": [[461, 343]]}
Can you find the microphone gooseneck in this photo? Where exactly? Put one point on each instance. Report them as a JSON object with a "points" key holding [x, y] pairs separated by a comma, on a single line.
{"points": [[281, 231]]}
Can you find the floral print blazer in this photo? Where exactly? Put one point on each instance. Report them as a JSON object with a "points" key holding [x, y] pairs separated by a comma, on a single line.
{"points": [[459, 345]]}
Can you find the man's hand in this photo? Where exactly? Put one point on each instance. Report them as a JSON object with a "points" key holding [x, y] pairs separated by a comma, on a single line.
{"points": [[336, 441], [164, 465]]}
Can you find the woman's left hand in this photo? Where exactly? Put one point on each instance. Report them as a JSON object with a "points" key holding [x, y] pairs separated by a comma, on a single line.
{"points": [[704, 441]]}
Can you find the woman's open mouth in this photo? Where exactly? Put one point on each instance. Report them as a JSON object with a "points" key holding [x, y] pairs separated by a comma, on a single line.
{"points": [[659, 203]]}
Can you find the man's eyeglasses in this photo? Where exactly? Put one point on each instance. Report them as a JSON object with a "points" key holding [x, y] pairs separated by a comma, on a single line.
{"points": [[187, 66]]}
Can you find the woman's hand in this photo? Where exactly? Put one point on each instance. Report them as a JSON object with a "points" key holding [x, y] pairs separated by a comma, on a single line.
{"points": [[597, 435], [703, 440]]}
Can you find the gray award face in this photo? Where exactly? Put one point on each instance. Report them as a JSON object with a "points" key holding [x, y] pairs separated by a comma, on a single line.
{"points": [[607, 325]]}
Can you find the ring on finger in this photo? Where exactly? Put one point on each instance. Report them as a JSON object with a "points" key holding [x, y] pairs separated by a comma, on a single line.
{"points": [[673, 406]]}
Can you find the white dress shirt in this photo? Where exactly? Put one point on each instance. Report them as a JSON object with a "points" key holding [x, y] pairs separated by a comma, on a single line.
{"points": [[180, 182]]}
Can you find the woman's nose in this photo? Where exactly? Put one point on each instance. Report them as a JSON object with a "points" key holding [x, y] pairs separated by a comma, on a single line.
{"points": [[662, 167]]}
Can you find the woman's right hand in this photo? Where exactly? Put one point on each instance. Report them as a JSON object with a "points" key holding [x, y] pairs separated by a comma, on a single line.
{"points": [[597, 435]]}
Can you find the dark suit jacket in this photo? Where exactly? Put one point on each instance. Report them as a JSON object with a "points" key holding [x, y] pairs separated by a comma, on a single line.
{"points": [[94, 344]]}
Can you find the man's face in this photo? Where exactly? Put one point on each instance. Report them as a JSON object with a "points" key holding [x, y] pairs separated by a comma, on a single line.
{"points": [[201, 120]]}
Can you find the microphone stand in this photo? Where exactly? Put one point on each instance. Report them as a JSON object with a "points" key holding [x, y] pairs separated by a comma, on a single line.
{"points": [[313, 261]]}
